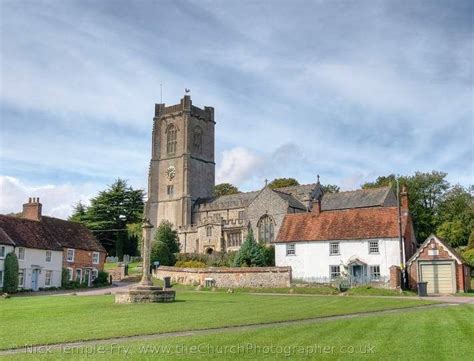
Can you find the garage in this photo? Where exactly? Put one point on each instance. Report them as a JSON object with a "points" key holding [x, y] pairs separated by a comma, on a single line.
{"points": [[440, 277], [436, 263]]}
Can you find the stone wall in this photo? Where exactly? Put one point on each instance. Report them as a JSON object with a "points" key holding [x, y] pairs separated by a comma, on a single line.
{"points": [[254, 277]]}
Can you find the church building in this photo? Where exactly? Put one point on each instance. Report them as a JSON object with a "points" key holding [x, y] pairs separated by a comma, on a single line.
{"points": [[181, 184]]}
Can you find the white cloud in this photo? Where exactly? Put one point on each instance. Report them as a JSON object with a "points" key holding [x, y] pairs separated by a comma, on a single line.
{"points": [[57, 200], [237, 166]]}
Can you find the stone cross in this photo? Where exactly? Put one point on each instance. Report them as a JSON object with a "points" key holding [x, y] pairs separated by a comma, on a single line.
{"points": [[146, 278]]}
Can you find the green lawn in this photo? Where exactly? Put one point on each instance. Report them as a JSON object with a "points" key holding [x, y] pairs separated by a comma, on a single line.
{"points": [[55, 319], [432, 334]]}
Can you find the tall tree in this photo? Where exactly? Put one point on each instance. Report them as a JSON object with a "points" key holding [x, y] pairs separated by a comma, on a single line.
{"points": [[250, 253], [283, 182], [165, 241], [330, 188], [110, 212], [224, 189], [79, 213]]}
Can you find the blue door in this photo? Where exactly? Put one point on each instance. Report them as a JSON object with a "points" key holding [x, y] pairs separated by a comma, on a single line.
{"points": [[34, 279]]}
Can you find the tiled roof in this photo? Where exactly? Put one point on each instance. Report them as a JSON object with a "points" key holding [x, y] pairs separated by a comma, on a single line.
{"points": [[358, 223], [49, 233], [292, 201], [362, 198]]}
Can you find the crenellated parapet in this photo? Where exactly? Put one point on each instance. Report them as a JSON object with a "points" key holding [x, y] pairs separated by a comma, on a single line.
{"points": [[185, 105]]}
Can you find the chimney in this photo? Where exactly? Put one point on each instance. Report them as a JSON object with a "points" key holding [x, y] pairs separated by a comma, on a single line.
{"points": [[404, 200], [316, 208], [32, 210]]}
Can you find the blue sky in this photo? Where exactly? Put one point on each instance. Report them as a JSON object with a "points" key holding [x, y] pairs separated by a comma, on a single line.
{"points": [[346, 89]]}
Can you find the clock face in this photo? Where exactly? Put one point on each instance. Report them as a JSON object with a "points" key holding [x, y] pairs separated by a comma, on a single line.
{"points": [[170, 172]]}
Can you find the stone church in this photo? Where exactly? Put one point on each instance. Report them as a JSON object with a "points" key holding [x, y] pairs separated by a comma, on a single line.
{"points": [[181, 183]]}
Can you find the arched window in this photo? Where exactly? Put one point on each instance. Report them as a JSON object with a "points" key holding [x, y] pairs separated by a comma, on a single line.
{"points": [[171, 140], [265, 229], [197, 140]]}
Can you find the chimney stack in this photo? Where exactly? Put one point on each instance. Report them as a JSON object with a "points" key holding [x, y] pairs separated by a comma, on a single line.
{"points": [[404, 200], [32, 209], [316, 208]]}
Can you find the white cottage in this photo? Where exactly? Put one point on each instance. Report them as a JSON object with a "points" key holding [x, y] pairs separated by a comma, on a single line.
{"points": [[357, 243]]}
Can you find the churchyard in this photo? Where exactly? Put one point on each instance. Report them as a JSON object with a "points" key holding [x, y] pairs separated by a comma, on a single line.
{"points": [[204, 324]]}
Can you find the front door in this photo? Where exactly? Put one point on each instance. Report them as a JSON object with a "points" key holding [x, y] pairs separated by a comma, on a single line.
{"points": [[34, 279], [87, 277], [357, 272]]}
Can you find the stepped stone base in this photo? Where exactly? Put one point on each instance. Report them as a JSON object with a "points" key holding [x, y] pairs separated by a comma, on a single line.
{"points": [[145, 294]]}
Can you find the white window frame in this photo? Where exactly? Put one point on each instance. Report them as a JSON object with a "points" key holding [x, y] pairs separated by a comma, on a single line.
{"points": [[94, 274], [374, 247], [290, 249], [3, 250], [80, 277], [334, 274], [50, 258], [94, 254], [73, 254], [46, 283], [21, 276], [336, 244], [371, 272], [70, 273], [21, 253]]}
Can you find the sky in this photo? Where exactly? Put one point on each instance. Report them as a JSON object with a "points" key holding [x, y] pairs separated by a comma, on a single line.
{"points": [[349, 90]]}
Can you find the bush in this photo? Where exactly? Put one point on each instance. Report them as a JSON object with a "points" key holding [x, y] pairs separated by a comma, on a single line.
{"points": [[269, 255], [10, 278], [468, 256], [102, 279], [166, 234], [216, 259], [65, 277], [190, 264], [160, 252], [250, 254]]}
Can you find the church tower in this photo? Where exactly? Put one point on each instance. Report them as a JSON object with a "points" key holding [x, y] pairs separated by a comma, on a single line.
{"points": [[182, 167]]}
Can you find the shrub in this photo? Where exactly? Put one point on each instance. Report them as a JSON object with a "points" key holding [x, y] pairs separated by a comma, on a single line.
{"points": [[10, 278], [65, 277], [250, 253], [166, 234], [160, 252], [269, 255], [468, 256], [190, 264], [102, 279]]}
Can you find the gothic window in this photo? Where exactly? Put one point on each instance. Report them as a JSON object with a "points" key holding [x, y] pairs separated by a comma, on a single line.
{"points": [[265, 229], [171, 133], [209, 231], [235, 239], [197, 140], [170, 190]]}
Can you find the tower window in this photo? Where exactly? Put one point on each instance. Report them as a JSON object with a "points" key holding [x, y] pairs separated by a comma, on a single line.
{"points": [[209, 231], [171, 134], [170, 190], [197, 140], [266, 229]]}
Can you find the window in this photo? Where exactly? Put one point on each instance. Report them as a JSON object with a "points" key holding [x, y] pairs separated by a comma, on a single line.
{"points": [[70, 255], [241, 214], [70, 273], [334, 248], [374, 273], [171, 140], [78, 275], [1, 278], [21, 278], [197, 140], [2, 251], [94, 274], [265, 229], [48, 256], [335, 272], [170, 190], [373, 247], [209, 231], [290, 249], [235, 239], [95, 257], [21, 253], [47, 278]]}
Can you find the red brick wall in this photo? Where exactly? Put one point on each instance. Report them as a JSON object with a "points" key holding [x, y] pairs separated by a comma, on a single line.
{"points": [[83, 259]]}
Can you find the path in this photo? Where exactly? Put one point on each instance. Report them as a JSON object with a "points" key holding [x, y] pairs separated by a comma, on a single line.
{"points": [[157, 336]]}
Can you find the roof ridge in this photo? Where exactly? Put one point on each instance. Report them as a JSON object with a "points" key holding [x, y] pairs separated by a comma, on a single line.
{"points": [[361, 190]]}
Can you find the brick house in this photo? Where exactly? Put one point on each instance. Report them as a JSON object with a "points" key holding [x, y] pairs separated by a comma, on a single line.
{"points": [[45, 245], [441, 266], [363, 244]]}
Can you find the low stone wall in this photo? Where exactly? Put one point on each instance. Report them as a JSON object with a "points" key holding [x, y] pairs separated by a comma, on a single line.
{"points": [[223, 277]]}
